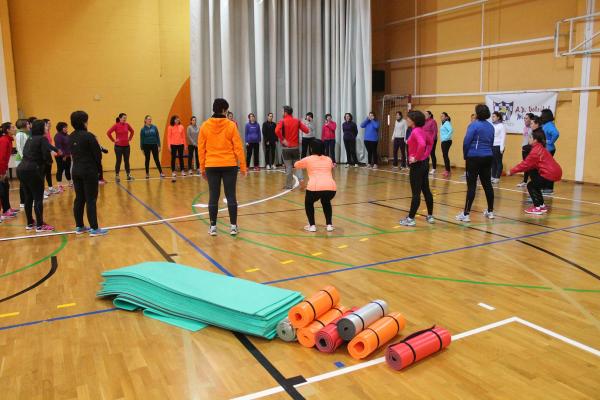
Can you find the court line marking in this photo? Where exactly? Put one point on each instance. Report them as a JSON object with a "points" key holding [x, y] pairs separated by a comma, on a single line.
{"points": [[380, 360], [156, 221], [66, 305], [253, 270], [11, 314], [497, 187], [486, 306], [363, 239]]}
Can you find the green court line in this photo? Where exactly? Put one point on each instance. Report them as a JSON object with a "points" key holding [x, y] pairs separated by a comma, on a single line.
{"points": [[512, 285], [63, 243]]}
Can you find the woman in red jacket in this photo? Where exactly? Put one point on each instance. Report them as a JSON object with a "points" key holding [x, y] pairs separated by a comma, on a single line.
{"points": [[123, 135], [7, 132], [542, 167]]}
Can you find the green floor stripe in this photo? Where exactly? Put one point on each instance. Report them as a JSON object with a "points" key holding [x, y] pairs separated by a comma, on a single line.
{"points": [[63, 243]]}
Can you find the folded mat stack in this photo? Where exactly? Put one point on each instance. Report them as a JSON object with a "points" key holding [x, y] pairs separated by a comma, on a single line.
{"points": [[192, 298]]}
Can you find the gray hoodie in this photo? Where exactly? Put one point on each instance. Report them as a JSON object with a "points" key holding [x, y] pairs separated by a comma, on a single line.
{"points": [[192, 135], [311, 129]]}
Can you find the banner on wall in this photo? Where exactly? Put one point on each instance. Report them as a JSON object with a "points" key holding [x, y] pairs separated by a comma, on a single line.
{"points": [[515, 106]]}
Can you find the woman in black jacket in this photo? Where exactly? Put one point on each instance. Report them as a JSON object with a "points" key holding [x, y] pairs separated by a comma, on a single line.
{"points": [[350, 132], [31, 172], [87, 157]]}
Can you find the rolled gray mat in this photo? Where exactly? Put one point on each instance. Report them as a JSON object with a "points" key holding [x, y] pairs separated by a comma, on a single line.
{"points": [[354, 323], [286, 331]]}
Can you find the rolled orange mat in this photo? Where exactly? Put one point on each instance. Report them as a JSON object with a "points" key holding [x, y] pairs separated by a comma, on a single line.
{"points": [[307, 335], [376, 335], [313, 307]]}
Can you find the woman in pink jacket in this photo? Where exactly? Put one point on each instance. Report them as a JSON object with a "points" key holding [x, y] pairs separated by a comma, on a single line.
{"points": [[328, 137], [321, 185]]}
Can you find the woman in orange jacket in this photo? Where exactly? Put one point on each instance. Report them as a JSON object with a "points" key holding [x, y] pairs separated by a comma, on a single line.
{"points": [[176, 142], [221, 155], [321, 185]]}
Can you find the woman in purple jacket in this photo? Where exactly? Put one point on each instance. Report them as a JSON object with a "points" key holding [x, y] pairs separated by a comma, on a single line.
{"points": [[63, 162], [253, 138]]}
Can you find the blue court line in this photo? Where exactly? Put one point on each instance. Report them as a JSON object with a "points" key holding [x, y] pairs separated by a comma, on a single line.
{"points": [[181, 235], [85, 314], [416, 256]]}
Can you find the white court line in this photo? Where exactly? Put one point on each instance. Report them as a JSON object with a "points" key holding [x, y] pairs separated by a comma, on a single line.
{"points": [[497, 187], [156, 221], [343, 371], [486, 306]]}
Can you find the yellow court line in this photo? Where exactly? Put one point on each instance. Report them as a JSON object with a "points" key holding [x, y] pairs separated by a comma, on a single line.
{"points": [[253, 270], [287, 262], [66, 305], [342, 246], [12, 314], [397, 226], [318, 253], [363, 239]]}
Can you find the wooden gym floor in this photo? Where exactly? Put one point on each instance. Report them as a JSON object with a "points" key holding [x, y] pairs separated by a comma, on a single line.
{"points": [[521, 294]]}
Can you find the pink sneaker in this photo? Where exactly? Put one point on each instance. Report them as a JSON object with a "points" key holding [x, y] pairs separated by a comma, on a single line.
{"points": [[101, 182], [534, 210], [13, 210], [44, 228], [9, 214], [445, 174], [544, 208]]}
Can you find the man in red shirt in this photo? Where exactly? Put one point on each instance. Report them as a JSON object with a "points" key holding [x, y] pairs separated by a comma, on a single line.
{"points": [[287, 130]]}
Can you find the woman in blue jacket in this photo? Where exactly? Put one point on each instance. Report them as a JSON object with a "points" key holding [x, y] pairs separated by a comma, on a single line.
{"points": [[252, 136], [446, 131], [552, 135], [371, 127], [477, 151]]}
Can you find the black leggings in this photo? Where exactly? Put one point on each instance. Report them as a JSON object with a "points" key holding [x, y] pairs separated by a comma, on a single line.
{"points": [[550, 185], [309, 204], [432, 155], [497, 162], [350, 146], [525, 152], [252, 148], [400, 144], [122, 152], [5, 194], [419, 182], [479, 167], [177, 152], [48, 174], [270, 154], [147, 149], [228, 175], [33, 187], [193, 151], [445, 149], [535, 186], [306, 146], [372, 151], [63, 165], [86, 195], [330, 149]]}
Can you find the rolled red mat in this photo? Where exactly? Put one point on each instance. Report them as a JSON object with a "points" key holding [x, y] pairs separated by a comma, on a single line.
{"points": [[328, 339], [417, 346], [307, 335]]}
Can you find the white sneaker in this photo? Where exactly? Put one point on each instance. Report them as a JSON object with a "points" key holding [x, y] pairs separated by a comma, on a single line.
{"points": [[432, 172], [495, 180], [268, 167], [347, 165], [21, 205], [310, 228], [330, 228], [173, 177], [355, 165], [374, 166], [522, 184], [408, 222], [463, 218], [489, 214], [182, 173], [212, 231], [430, 219], [233, 230]]}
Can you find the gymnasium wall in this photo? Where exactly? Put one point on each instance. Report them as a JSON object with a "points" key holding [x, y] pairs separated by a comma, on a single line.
{"points": [[531, 66], [7, 73], [102, 56]]}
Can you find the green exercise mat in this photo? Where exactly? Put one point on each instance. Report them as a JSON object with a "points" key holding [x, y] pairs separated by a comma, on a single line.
{"points": [[192, 298]]}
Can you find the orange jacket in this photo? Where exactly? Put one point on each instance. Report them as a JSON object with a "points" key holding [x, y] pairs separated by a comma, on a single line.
{"points": [[319, 172], [219, 145], [175, 135]]}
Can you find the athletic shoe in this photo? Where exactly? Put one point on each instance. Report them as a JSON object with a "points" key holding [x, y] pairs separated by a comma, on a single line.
{"points": [[495, 180], [147, 176], [534, 210], [14, 211], [548, 192], [174, 177], [117, 179], [522, 184], [44, 228], [408, 222], [191, 172], [445, 174], [256, 169], [101, 182], [30, 227], [489, 214], [98, 232], [233, 230], [310, 228], [355, 165], [60, 189], [330, 228], [462, 217], [46, 195], [21, 205], [182, 173], [162, 175], [212, 231], [544, 208], [82, 229], [8, 215], [129, 177], [430, 219], [268, 167], [432, 172], [70, 184], [347, 166], [374, 166]]}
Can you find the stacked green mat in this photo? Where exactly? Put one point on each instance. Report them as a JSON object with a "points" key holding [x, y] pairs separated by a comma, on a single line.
{"points": [[191, 298]]}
